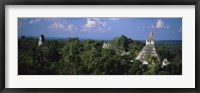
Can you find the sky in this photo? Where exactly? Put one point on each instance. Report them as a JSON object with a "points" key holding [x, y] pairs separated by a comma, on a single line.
{"points": [[101, 28]]}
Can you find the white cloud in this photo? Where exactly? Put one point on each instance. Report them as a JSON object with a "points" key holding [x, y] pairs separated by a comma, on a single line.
{"points": [[34, 21], [108, 28], [104, 24], [167, 26], [91, 23], [94, 24], [56, 25], [152, 26], [71, 28], [159, 23], [63, 27]]}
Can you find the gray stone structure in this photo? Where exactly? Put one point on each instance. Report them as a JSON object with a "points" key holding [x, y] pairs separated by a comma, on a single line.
{"points": [[165, 62], [148, 49], [41, 40], [106, 45]]}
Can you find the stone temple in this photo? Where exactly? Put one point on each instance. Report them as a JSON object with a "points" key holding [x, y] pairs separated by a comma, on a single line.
{"points": [[41, 40], [148, 49]]}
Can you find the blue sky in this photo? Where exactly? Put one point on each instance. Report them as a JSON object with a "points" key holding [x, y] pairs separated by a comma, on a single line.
{"points": [[101, 28]]}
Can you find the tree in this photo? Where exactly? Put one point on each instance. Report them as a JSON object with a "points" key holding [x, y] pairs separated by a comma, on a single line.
{"points": [[136, 68], [74, 57], [163, 73], [153, 65]]}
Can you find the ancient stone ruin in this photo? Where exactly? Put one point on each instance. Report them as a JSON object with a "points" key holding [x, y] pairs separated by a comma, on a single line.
{"points": [[148, 49], [41, 40]]}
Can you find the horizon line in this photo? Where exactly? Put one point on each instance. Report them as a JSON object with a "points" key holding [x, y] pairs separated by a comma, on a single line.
{"points": [[94, 38]]}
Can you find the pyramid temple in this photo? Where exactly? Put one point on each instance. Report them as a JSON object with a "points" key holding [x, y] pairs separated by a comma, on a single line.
{"points": [[41, 40], [148, 49]]}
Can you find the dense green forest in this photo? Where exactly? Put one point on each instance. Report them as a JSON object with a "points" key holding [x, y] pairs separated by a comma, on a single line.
{"points": [[87, 57]]}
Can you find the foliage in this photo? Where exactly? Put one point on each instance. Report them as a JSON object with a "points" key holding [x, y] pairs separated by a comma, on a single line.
{"points": [[87, 57]]}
